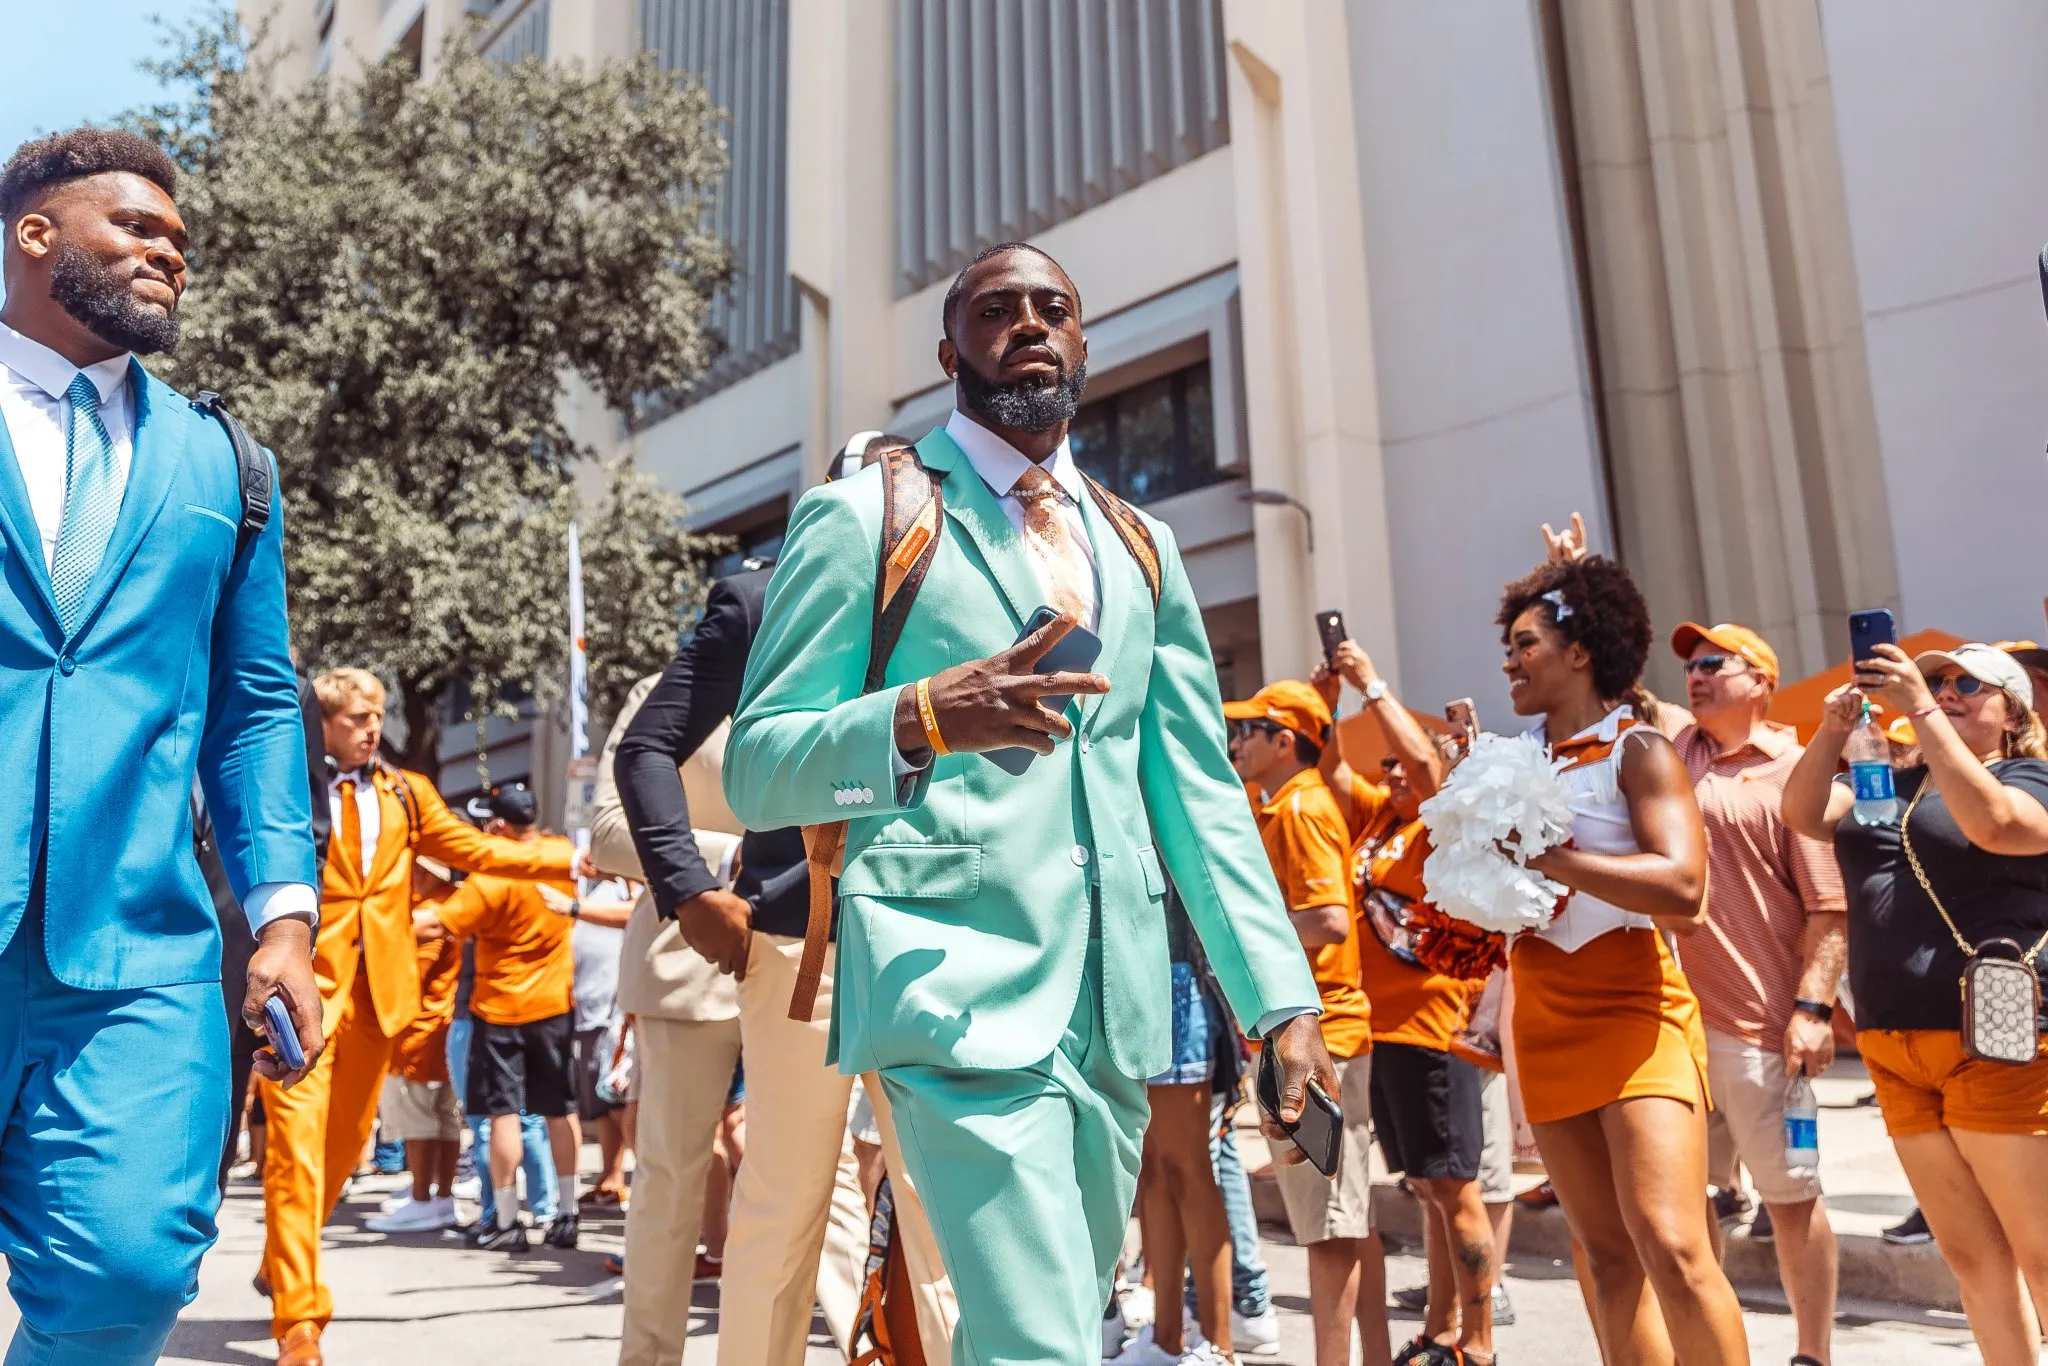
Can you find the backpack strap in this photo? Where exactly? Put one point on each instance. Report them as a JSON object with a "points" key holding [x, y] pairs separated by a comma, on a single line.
{"points": [[1131, 529], [912, 517], [258, 485]]}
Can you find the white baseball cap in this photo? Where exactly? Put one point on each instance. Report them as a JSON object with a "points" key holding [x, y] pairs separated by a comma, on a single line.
{"points": [[1985, 663]]}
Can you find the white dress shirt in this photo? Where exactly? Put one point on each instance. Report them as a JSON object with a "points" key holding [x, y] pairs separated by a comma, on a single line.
{"points": [[1001, 465], [35, 406], [368, 811]]}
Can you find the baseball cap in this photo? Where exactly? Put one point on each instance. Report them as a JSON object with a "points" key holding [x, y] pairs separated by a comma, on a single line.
{"points": [[1739, 641], [1289, 703], [512, 803], [1986, 664], [2029, 653]]}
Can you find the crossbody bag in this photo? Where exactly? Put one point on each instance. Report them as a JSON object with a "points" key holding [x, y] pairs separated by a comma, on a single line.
{"points": [[2001, 990]]}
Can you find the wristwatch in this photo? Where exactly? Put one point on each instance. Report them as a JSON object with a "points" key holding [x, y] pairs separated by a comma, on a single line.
{"points": [[576, 910], [1820, 1010], [1376, 690]]}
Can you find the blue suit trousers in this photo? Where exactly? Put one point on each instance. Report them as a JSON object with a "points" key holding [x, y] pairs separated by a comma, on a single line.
{"points": [[115, 1107]]}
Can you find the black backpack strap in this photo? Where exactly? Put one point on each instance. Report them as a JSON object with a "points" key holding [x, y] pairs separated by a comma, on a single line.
{"points": [[1131, 529], [259, 487]]}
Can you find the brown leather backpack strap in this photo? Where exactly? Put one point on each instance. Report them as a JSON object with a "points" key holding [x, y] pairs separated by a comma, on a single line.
{"points": [[1132, 531], [823, 845]]}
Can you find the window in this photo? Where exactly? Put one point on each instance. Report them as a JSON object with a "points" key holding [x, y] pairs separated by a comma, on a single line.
{"points": [[1152, 440]]}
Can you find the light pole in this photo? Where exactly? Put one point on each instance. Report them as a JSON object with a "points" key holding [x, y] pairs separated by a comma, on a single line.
{"points": [[1274, 498]]}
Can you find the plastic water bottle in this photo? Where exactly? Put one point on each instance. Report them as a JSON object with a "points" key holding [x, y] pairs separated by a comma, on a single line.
{"points": [[1870, 772], [1802, 1130]]}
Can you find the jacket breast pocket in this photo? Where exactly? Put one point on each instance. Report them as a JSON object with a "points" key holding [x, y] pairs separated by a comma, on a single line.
{"points": [[914, 872]]}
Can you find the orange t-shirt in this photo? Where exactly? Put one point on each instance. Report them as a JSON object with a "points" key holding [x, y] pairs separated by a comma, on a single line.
{"points": [[1309, 847], [525, 966], [1410, 1004]]}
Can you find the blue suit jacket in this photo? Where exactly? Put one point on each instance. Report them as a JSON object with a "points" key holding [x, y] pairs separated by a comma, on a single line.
{"points": [[180, 664]]}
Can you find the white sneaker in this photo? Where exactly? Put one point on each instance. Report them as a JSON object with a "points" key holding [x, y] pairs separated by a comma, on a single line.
{"points": [[1138, 1305], [395, 1201], [1143, 1351], [469, 1188], [1202, 1354], [1256, 1334], [416, 1216]]}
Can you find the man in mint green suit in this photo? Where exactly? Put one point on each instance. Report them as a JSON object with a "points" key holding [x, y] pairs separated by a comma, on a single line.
{"points": [[1002, 945]]}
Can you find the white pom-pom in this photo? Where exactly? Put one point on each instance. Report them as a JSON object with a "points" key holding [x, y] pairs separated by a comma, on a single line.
{"points": [[1507, 794]]}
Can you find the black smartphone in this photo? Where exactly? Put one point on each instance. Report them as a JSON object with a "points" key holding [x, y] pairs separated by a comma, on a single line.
{"points": [[1867, 630], [1330, 626], [1075, 652], [1319, 1133]]}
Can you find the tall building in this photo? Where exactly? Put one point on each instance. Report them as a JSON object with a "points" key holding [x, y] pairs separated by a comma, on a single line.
{"points": [[1372, 289]]}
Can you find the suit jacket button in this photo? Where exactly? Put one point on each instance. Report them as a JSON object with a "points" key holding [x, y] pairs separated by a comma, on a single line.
{"points": [[67, 666], [1080, 856]]}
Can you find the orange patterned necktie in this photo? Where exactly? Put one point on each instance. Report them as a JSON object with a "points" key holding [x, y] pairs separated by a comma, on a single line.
{"points": [[1063, 569]]}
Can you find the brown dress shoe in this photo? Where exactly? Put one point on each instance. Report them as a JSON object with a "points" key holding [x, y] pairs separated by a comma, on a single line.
{"points": [[300, 1346]]}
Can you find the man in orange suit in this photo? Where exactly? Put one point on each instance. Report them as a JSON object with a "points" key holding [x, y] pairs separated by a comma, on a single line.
{"points": [[365, 962]]}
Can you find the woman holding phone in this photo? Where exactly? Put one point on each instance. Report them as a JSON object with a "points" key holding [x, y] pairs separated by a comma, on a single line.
{"points": [[1608, 1032], [1963, 866]]}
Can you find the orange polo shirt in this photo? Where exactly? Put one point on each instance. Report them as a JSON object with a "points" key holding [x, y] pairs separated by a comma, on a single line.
{"points": [[1410, 1004], [1309, 847], [525, 966]]}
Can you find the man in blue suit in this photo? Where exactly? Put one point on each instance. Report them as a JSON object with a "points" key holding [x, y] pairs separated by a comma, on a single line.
{"points": [[138, 649]]}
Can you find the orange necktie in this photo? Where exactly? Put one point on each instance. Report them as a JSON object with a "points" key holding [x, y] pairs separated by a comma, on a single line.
{"points": [[351, 829], [1062, 566]]}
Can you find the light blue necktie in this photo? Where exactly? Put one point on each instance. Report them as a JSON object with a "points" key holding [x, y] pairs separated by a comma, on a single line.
{"points": [[92, 500]]}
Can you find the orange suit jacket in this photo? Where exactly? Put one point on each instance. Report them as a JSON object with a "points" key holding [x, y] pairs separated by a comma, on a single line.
{"points": [[375, 912]]}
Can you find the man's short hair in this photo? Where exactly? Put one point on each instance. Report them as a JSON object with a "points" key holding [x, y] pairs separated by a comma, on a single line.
{"points": [[42, 165], [338, 687], [959, 285]]}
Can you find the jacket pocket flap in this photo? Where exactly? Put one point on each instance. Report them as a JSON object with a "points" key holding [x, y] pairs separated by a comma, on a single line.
{"points": [[1155, 878], [915, 872]]}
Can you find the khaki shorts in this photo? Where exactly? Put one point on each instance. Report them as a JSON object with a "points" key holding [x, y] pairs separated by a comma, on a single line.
{"points": [[1497, 1152], [1319, 1209], [1748, 1120], [420, 1111]]}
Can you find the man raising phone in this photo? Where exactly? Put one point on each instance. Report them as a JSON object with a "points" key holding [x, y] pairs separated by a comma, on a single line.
{"points": [[1014, 999]]}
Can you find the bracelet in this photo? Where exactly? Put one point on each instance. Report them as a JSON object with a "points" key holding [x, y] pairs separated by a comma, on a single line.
{"points": [[929, 718], [1924, 711], [1820, 1010]]}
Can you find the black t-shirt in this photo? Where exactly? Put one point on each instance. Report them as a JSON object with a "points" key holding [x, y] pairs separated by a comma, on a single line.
{"points": [[1905, 968]]}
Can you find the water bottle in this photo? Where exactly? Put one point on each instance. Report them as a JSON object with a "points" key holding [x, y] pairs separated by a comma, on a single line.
{"points": [[1870, 772], [1802, 1130]]}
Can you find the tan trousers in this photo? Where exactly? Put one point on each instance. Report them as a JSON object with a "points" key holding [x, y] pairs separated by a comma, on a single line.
{"points": [[685, 1071], [791, 1182]]}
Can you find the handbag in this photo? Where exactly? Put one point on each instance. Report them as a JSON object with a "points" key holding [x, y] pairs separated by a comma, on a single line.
{"points": [[2001, 990]]}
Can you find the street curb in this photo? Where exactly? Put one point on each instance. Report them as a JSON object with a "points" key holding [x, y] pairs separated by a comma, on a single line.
{"points": [[1872, 1269]]}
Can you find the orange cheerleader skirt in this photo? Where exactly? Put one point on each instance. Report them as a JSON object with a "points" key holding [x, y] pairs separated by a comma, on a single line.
{"points": [[1614, 1021]]}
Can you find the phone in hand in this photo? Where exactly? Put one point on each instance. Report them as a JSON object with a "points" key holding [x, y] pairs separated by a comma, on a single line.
{"points": [[1867, 631], [1319, 1133], [1463, 717], [1330, 626], [1075, 652], [284, 1038]]}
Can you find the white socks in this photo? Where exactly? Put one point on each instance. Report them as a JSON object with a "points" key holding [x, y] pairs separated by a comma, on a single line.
{"points": [[506, 1204]]}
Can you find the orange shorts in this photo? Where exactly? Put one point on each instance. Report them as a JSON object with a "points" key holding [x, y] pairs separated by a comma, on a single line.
{"points": [[1925, 1082]]}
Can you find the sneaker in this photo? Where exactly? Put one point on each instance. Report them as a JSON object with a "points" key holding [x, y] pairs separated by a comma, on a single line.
{"points": [[416, 1216], [1423, 1352], [1760, 1230], [1138, 1305], [1257, 1334], [1143, 1351], [495, 1239], [614, 1264], [561, 1232], [469, 1188], [1113, 1328], [709, 1268], [1415, 1299], [1731, 1204], [394, 1202], [1910, 1231]]}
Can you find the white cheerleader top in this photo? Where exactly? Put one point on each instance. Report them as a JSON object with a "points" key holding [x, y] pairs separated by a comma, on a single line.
{"points": [[1600, 825]]}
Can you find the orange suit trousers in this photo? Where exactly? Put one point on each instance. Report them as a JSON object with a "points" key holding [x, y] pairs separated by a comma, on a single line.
{"points": [[317, 1133]]}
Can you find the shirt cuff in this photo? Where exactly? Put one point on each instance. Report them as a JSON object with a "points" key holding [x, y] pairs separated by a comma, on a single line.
{"points": [[268, 901], [728, 863], [1273, 1019]]}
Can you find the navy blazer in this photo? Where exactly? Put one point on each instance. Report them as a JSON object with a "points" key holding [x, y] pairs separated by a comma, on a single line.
{"points": [[180, 665]]}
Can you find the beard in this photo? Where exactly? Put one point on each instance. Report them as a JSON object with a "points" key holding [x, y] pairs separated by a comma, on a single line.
{"points": [[1036, 403], [103, 301]]}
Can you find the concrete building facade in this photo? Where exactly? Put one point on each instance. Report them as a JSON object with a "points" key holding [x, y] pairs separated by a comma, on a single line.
{"points": [[1373, 288]]}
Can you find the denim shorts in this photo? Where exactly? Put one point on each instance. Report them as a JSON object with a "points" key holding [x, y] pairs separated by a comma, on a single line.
{"points": [[1197, 1028]]}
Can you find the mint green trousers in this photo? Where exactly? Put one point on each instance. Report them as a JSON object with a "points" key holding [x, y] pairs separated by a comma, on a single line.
{"points": [[1028, 1178]]}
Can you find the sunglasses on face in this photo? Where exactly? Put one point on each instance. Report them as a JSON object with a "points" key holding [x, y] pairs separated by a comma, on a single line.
{"points": [[1709, 665], [1965, 685], [1244, 730]]}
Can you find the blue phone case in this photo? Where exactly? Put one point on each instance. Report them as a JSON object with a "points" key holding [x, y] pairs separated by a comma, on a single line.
{"points": [[277, 1022], [1076, 652], [1868, 630]]}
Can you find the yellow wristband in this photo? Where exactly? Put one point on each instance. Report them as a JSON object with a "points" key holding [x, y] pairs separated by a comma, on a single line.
{"points": [[929, 718]]}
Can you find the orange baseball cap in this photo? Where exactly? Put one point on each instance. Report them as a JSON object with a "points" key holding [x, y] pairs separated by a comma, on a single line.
{"points": [[1739, 641], [1289, 703]]}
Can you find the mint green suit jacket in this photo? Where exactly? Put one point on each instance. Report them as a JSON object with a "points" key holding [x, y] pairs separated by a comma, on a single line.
{"points": [[965, 900]]}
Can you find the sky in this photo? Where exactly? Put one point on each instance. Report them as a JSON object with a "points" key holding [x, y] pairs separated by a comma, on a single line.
{"points": [[71, 61]]}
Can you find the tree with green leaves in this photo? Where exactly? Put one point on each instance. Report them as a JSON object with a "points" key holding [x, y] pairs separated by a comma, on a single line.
{"points": [[392, 280]]}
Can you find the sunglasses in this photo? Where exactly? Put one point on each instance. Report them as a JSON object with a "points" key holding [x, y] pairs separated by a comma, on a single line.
{"points": [[1244, 730], [1965, 685], [1709, 665]]}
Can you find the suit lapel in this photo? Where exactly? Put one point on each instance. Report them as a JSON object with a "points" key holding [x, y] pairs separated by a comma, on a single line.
{"points": [[159, 450], [394, 833], [18, 524], [974, 509]]}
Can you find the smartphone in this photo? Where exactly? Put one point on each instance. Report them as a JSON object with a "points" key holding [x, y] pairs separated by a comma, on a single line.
{"points": [[277, 1024], [1330, 626], [1075, 652], [1319, 1133], [1463, 717], [1867, 631]]}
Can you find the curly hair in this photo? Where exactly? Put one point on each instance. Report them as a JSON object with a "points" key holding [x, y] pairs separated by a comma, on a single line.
{"points": [[1595, 603], [40, 166]]}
